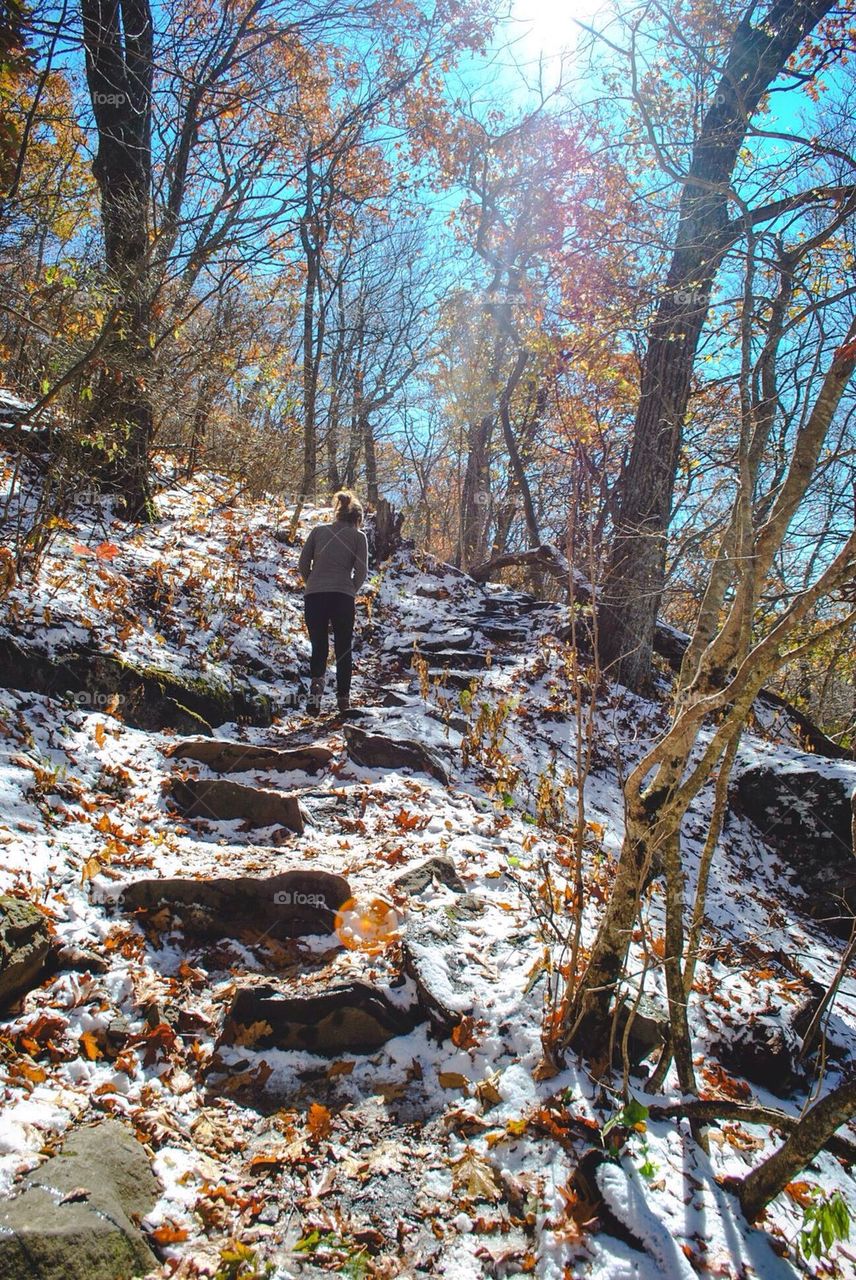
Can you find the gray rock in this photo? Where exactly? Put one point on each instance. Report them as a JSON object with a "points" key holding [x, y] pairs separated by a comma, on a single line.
{"points": [[78, 959], [25, 947], [172, 715], [217, 799], [374, 750], [649, 1027], [764, 1049], [453, 638], [460, 659], [290, 904], [451, 678], [353, 1018], [806, 815], [505, 632], [237, 757], [441, 869], [75, 1218]]}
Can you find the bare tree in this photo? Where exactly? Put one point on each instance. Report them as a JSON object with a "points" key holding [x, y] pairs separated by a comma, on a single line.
{"points": [[736, 644], [756, 57]]}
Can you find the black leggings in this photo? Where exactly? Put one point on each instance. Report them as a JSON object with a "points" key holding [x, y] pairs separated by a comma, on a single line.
{"points": [[323, 609]]}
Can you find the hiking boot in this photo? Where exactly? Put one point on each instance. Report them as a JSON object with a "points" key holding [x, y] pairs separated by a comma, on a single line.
{"points": [[344, 704], [313, 702]]}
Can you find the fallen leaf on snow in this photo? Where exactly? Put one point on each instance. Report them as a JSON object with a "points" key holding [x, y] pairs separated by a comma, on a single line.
{"points": [[452, 1080], [474, 1175]]}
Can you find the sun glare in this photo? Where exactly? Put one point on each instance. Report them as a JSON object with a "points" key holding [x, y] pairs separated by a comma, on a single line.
{"points": [[550, 26]]}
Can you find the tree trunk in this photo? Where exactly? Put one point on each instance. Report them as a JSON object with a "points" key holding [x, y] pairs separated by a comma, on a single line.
{"points": [[517, 467], [387, 530], [198, 432], [474, 497], [309, 240], [631, 594], [372, 493], [813, 1131], [119, 51], [337, 365]]}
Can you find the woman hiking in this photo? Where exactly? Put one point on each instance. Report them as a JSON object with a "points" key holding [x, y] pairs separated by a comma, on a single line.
{"points": [[333, 565]]}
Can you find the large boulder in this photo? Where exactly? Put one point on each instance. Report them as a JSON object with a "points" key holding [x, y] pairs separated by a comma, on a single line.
{"points": [[147, 697], [25, 947], [805, 812], [289, 905], [75, 1218]]}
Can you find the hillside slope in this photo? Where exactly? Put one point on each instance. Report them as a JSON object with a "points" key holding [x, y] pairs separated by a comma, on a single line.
{"points": [[422, 1139]]}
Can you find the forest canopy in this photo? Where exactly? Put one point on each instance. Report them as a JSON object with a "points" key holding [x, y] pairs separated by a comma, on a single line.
{"points": [[577, 290]]}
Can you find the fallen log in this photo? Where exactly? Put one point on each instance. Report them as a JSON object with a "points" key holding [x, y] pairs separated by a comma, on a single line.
{"points": [[705, 1111]]}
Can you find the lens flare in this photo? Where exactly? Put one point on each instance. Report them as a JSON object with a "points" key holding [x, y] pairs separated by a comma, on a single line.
{"points": [[367, 924]]}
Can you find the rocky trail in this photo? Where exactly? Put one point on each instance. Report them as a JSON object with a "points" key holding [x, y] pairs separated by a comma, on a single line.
{"points": [[306, 964]]}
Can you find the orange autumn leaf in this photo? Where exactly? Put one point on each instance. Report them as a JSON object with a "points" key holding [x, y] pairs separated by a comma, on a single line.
{"points": [[463, 1035], [90, 868], [99, 733], [409, 821], [249, 1035], [723, 1085], [339, 1069], [169, 1234], [90, 1046], [31, 1071], [452, 1080], [319, 1121], [801, 1192]]}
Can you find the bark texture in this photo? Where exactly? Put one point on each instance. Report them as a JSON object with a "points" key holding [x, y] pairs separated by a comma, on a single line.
{"points": [[119, 65], [813, 1131]]}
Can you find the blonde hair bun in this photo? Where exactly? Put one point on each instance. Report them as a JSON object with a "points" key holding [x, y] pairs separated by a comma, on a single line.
{"points": [[347, 507]]}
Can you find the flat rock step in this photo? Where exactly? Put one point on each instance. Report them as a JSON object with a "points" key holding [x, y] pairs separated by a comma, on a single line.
{"points": [[432, 958], [464, 659], [288, 905], [504, 631], [374, 750], [354, 1018], [221, 800], [451, 638], [456, 678], [439, 868], [238, 757]]}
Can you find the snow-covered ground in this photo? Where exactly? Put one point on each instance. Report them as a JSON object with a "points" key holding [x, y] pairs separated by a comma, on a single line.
{"points": [[447, 1158]]}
